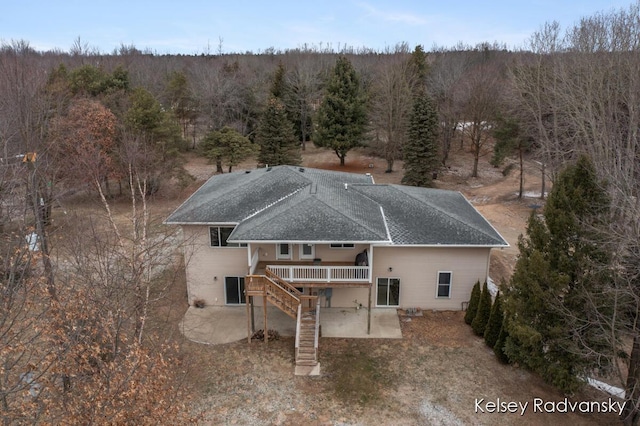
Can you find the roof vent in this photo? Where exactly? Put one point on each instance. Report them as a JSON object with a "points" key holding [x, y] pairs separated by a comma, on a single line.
{"points": [[301, 169], [247, 172], [346, 186], [269, 169]]}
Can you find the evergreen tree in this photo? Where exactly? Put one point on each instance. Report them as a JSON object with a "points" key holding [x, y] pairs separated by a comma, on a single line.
{"points": [[421, 148], [498, 348], [509, 138], [474, 300], [484, 311], [226, 145], [276, 137], [342, 114], [419, 67], [492, 331], [278, 86], [558, 288]]}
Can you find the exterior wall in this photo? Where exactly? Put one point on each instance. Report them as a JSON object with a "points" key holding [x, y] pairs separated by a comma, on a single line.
{"points": [[346, 297], [418, 267], [208, 266], [322, 251]]}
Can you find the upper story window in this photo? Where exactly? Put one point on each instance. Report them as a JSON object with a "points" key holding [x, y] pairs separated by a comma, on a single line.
{"points": [[345, 245], [218, 236]]}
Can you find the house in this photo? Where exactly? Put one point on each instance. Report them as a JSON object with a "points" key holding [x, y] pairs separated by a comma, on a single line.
{"points": [[305, 239]]}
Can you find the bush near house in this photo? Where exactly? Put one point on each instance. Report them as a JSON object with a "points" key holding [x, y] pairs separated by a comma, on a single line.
{"points": [[473, 304], [492, 331], [498, 348], [484, 312]]}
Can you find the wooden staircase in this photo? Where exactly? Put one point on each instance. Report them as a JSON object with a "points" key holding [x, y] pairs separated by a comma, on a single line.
{"points": [[303, 308]]}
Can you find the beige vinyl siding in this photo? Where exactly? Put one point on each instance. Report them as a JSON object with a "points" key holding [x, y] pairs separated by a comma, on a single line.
{"points": [[205, 262], [418, 267], [322, 251]]}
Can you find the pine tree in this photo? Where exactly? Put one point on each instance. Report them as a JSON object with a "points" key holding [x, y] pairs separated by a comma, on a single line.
{"points": [[474, 300], [498, 348], [558, 288], [226, 145], [278, 86], [276, 137], [420, 150], [492, 331], [342, 114], [484, 311]]}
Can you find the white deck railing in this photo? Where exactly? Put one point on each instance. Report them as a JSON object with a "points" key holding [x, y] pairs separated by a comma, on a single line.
{"points": [[298, 273]]}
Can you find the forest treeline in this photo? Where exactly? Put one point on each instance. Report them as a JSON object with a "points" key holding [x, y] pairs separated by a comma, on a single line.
{"points": [[78, 330]]}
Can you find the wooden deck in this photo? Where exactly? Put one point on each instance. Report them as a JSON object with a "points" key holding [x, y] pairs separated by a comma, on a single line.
{"points": [[319, 275]]}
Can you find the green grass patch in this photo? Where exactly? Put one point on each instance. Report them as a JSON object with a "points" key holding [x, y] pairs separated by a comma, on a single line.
{"points": [[357, 376]]}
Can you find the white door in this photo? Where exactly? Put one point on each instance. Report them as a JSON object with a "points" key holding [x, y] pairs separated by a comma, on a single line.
{"points": [[307, 251]]}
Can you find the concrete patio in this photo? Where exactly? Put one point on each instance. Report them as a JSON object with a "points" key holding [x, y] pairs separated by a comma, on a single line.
{"points": [[225, 324]]}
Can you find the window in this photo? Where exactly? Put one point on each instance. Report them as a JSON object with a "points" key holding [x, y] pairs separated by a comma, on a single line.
{"points": [[345, 245], [444, 284], [283, 251], [218, 236], [388, 292], [307, 251], [234, 290]]}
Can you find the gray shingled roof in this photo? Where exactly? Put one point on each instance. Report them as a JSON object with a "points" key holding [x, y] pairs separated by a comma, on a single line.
{"points": [[286, 203], [431, 216]]}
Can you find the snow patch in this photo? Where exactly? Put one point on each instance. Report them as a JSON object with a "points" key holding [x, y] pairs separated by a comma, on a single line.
{"points": [[605, 387], [493, 288]]}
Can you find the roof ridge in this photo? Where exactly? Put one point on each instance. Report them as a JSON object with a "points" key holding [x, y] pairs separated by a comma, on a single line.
{"points": [[468, 225], [274, 203], [352, 219]]}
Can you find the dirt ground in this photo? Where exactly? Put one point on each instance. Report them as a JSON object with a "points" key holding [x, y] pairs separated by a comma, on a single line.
{"points": [[434, 375]]}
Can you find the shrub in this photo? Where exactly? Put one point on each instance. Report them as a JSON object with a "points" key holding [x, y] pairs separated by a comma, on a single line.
{"points": [[481, 318], [498, 348], [492, 331], [473, 304]]}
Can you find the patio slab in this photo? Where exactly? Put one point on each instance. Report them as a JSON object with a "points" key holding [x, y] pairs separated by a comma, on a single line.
{"points": [[225, 324]]}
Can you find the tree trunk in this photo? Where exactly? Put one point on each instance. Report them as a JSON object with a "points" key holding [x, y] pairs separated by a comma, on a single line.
{"points": [[219, 165], [543, 183], [389, 165], [475, 165], [631, 413], [521, 173]]}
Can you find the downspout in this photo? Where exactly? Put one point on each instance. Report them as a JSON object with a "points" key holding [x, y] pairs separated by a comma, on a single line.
{"points": [[370, 259]]}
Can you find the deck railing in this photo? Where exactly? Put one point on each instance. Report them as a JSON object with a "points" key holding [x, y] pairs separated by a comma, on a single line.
{"points": [[300, 273]]}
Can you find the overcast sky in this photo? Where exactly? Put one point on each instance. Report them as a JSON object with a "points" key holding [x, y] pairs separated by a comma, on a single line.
{"points": [[197, 26]]}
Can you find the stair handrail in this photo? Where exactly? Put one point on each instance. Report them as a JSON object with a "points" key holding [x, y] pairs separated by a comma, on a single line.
{"points": [[282, 282], [298, 326], [293, 300], [317, 337]]}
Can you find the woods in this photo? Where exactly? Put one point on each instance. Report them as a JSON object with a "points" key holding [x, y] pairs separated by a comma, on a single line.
{"points": [[113, 127]]}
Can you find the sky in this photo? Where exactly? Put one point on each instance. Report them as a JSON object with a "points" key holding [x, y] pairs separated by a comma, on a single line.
{"points": [[237, 26]]}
